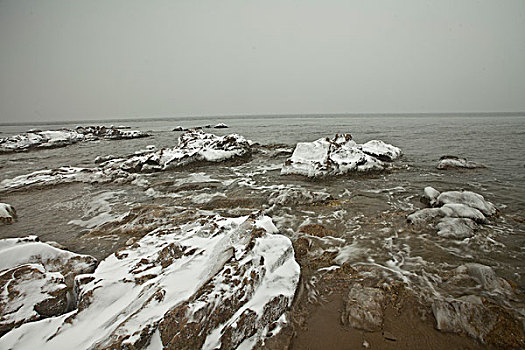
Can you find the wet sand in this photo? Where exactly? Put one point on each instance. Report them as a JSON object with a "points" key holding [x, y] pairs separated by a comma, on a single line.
{"points": [[402, 329]]}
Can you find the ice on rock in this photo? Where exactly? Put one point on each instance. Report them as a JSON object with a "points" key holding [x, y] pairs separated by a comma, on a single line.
{"points": [[36, 280], [60, 138], [7, 213], [210, 283], [453, 162], [337, 156]]}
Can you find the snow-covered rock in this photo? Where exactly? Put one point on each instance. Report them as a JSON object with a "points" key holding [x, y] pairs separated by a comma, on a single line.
{"points": [[215, 282], [337, 156], [457, 212], [36, 280], [221, 126], [193, 146], [7, 213], [59, 138], [453, 162], [469, 198]]}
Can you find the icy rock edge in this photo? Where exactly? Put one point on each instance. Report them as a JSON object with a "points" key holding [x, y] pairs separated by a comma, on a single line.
{"points": [[216, 282], [37, 280], [337, 156]]}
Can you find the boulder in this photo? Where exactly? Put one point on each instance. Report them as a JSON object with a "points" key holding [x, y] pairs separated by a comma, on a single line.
{"points": [[221, 126]]}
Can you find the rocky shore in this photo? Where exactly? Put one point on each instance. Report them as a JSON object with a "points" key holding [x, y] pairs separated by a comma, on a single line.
{"points": [[212, 265]]}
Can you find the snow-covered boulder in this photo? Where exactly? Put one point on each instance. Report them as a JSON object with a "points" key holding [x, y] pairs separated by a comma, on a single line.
{"points": [[38, 139], [193, 146], [216, 282], [7, 213], [37, 280], [337, 156], [453, 162], [221, 126]]}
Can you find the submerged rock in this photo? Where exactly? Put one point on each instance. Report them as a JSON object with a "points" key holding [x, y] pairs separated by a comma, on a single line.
{"points": [[7, 213], [337, 156], [216, 282], [59, 138], [297, 196], [37, 280], [453, 162], [480, 319], [364, 308]]}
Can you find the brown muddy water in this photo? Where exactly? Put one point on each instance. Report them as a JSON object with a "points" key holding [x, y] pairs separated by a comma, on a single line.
{"points": [[363, 217]]}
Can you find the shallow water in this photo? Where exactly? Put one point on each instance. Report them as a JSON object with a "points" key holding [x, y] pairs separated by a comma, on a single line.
{"points": [[367, 212]]}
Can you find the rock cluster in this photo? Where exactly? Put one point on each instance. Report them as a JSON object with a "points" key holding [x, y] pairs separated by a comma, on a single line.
{"points": [[455, 214], [337, 156], [38, 139], [212, 283], [193, 146]]}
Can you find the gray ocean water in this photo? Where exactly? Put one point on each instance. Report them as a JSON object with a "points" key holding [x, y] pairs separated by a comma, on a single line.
{"points": [[370, 219]]}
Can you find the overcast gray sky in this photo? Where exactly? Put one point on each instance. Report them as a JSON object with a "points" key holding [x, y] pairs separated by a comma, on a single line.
{"points": [[72, 60]]}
